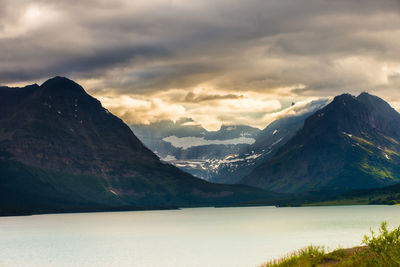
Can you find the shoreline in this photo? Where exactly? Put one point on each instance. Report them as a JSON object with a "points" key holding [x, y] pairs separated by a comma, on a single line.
{"points": [[337, 256], [132, 209]]}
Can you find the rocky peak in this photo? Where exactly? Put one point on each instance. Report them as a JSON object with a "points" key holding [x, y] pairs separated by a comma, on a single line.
{"points": [[61, 84]]}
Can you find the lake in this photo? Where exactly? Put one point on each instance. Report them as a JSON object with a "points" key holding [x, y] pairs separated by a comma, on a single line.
{"points": [[189, 237]]}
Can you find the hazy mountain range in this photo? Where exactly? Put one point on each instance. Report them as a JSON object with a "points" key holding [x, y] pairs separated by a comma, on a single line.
{"points": [[193, 148], [226, 155]]}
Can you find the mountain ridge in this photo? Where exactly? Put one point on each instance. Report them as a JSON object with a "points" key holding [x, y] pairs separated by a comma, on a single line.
{"points": [[267, 142], [340, 148], [61, 151], [222, 162]]}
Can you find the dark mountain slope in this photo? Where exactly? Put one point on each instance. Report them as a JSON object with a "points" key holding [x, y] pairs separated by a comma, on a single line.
{"points": [[58, 126], [267, 142], [352, 143], [60, 150]]}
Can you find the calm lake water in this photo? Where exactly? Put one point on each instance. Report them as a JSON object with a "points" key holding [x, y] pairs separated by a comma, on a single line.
{"points": [[188, 237]]}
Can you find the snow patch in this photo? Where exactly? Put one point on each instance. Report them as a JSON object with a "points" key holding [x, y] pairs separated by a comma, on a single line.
{"points": [[349, 135], [277, 141], [231, 156], [187, 142], [254, 156], [113, 192], [169, 158]]}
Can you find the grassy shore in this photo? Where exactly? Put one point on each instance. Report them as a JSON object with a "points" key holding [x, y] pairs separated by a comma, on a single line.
{"points": [[381, 249]]}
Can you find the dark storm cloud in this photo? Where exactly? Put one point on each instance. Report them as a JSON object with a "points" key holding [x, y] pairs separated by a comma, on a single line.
{"points": [[147, 46], [196, 98], [86, 65]]}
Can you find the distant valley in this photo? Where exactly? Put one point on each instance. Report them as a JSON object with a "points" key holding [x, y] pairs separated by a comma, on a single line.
{"points": [[226, 155]]}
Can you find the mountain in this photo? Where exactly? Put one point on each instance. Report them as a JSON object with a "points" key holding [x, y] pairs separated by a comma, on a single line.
{"points": [[42, 120], [226, 155], [60, 150], [191, 147], [235, 167], [152, 135], [281, 130], [352, 143]]}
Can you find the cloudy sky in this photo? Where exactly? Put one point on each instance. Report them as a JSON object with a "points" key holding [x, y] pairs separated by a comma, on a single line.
{"points": [[215, 61]]}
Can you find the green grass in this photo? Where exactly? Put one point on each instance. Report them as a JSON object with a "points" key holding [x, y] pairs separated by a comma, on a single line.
{"points": [[363, 141], [381, 249], [377, 171], [391, 152]]}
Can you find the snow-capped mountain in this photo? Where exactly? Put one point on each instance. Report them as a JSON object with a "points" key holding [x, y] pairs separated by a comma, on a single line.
{"points": [[193, 148], [226, 155], [268, 141]]}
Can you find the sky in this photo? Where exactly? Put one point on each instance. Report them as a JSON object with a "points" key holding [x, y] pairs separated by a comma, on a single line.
{"points": [[214, 61]]}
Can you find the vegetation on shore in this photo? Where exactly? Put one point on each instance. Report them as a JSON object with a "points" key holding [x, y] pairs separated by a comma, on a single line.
{"points": [[389, 195], [382, 249]]}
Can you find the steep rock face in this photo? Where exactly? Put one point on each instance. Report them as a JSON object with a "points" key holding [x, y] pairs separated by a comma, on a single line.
{"points": [[352, 143], [267, 142], [60, 150], [59, 126]]}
